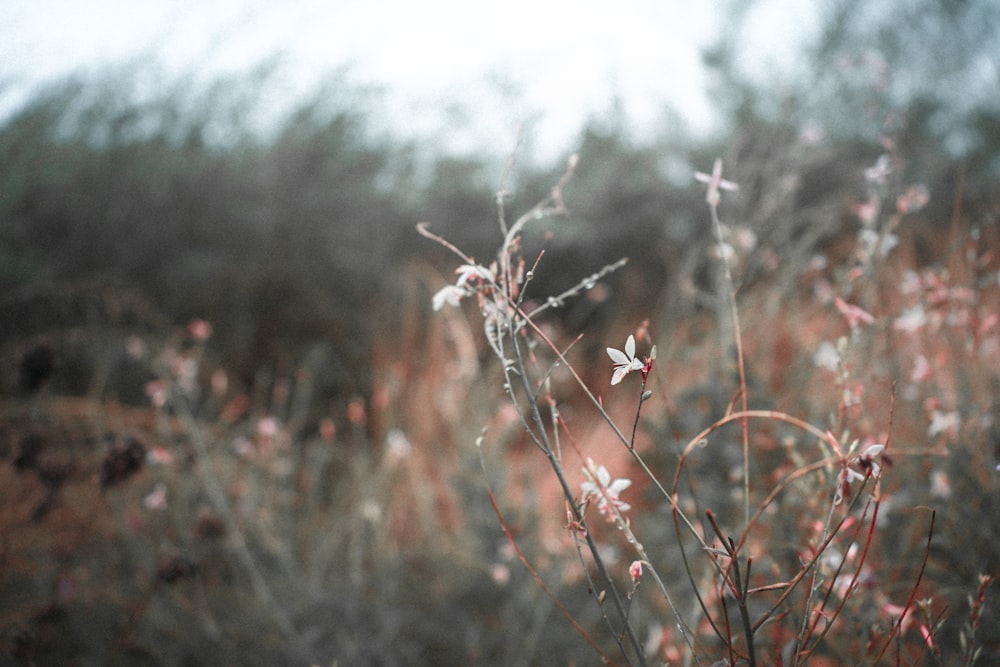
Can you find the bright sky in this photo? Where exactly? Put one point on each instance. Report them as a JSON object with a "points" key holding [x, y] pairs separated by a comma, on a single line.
{"points": [[549, 64]]}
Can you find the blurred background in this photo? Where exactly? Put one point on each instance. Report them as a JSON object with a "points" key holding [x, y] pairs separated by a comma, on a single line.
{"points": [[216, 344]]}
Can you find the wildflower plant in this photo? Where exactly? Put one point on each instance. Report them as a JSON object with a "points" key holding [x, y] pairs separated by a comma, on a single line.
{"points": [[720, 578]]}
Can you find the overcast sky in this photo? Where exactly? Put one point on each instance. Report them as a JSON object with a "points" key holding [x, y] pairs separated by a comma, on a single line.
{"points": [[550, 64]]}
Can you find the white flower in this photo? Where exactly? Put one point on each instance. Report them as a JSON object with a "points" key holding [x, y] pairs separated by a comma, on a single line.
{"points": [[605, 483], [397, 445], [827, 356], [625, 362], [157, 498], [450, 295], [866, 461], [853, 475], [468, 271], [944, 423], [911, 320], [715, 182], [921, 369], [871, 451], [879, 172], [911, 283], [867, 458], [940, 484], [604, 490], [888, 242]]}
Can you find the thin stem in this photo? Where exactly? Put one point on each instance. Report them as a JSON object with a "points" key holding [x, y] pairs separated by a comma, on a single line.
{"points": [[638, 411], [738, 584], [734, 314], [897, 626]]}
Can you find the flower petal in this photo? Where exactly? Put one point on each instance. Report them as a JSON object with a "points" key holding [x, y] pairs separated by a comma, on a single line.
{"points": [[469, 271], [618, 357], [630, 347], [872, 451], [619, 485], [450, 295]]}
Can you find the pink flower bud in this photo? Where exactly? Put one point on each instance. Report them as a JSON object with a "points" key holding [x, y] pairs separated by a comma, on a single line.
{"points": [[635, 571]]}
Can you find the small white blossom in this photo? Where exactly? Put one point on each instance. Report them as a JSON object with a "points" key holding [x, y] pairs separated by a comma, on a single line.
{"points": [[940, 484], [606, 491], [450, 295], [157, 498], [867, 458], [827, 356], [715, 182], [866, 461], [397, 445], [944, 423], [872, 451], [911, 283], [468, 271], [921, 369], [371, 511], [625, 362], [879, 172], [911, 320]]}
